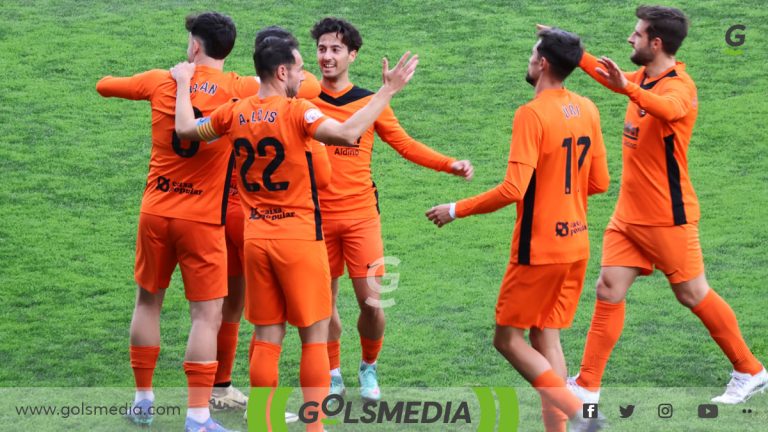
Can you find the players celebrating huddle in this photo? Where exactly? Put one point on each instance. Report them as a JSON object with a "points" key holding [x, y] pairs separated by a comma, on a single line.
{"points": [[260, 189]]}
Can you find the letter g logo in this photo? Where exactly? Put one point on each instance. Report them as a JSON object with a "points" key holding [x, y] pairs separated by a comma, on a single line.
{"points": [[735, 39]]}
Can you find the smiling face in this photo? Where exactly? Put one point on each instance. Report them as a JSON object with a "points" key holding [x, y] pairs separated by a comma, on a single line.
{"points": [[643, 53], [333, 56]]}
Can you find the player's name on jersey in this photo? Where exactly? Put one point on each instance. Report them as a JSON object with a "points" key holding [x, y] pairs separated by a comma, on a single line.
{"points": [[206, 87], [258, 116], [275, 213]]}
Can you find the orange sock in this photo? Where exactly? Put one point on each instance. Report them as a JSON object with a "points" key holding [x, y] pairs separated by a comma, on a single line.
{"points": [[554, 419], [199, 382], [604, 332], [721, 322], [334, 354], [552, 389], [371, 349], [143, 362], [265, 359], [226, 347], [314, 377]]}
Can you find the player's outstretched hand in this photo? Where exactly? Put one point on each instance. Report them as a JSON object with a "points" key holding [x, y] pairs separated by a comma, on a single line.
{"points": [[440, 215], [183, 72], [612, 73], [396, 78], [463, 168], [542, 27]]}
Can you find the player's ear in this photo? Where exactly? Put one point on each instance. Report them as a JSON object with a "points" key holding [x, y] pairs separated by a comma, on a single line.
{"points": [[657, 44], [282, 72], [352, 55], [196, 46], [543, 63]]}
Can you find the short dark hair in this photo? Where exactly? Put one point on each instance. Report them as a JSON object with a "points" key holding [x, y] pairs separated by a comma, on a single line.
{"points": [[562, 49], [275, 31], [349, 34], [271, 52], [666, 23], [216, 31]]}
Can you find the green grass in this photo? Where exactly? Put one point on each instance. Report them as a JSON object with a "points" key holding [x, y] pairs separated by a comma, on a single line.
{"points": [[74, 165]]}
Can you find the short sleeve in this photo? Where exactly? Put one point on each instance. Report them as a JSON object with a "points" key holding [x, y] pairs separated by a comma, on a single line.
{"points": [[309, 116]]}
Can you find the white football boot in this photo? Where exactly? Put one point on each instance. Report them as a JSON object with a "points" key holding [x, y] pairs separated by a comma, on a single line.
{"points": [[743, 386], [585, 395]]}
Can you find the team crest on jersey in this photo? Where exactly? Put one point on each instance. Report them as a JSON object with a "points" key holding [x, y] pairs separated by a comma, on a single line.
{"points": [[641, 112], [561, 229], [312, 115]]}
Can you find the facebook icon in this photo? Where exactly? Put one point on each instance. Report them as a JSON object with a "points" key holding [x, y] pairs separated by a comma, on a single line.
{"points": [[590, 411]]}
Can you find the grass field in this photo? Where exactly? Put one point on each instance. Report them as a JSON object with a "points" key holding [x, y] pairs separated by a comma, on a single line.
{"points": [[74, 167]]}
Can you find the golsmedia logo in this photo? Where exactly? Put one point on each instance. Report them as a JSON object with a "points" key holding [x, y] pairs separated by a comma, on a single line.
{"points": [[266, 411]]}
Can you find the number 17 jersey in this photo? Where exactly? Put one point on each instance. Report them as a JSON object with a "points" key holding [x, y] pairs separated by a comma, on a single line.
{"points": [[557, 134]]}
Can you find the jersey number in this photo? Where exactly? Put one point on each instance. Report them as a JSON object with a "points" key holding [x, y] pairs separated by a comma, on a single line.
{"points": [[568, 144], [261, 148], [194, 146]]}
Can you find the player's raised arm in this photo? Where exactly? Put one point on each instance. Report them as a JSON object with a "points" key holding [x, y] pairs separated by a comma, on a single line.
{"points": [[395, 79], [185, 116], [137, 87], [672, 104], [390, 130], [591, 65]]}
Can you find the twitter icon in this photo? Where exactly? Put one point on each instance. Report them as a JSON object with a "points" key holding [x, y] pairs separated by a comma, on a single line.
{"points": [[626, 411]]}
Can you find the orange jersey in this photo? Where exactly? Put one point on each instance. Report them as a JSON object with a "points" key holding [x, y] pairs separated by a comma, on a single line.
{"points": [[273, 144], [309, 89], [656, 188], [187, 180], [557, 144], [352, 193]]}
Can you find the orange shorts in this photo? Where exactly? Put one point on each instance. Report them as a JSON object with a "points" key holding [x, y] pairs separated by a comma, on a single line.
{"points": [[199, 249], [675, 250], [356, 242], [235, 228], [543, 296], [286, 280]]}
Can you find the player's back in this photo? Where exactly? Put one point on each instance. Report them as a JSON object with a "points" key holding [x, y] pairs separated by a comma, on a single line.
{"points": [[186, 180], [551, 224], [272, 142]]}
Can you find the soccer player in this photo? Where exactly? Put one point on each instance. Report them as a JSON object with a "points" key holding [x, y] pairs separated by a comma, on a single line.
{"points": [[225, 395], [182, 215], [556, 159], [287, 275], [655, 223], [350, 207]]}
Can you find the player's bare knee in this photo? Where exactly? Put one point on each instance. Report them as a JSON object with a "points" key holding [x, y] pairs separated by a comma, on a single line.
{"points": [[687, 296], [608, 291], [334, 326], [371, 312], [505, 343], [207, 313]]}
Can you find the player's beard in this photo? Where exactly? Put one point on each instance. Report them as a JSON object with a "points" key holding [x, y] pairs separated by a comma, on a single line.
{"points": [[642, 57], [530, 79], [291, 91]]}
